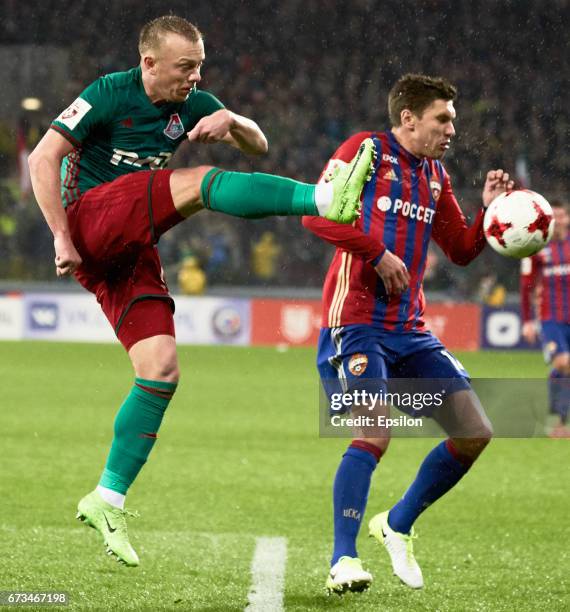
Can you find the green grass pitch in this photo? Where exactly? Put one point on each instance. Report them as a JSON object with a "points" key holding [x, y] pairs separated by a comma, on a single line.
{"points": [[239, 457]]}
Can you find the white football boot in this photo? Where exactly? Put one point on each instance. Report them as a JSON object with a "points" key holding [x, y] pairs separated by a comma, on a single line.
{"points": [[400, 548], [347, 575]]}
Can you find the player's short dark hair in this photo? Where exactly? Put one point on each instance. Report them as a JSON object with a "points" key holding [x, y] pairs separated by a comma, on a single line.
{"points": [[153, 31], [416, 92], [558, 203]]}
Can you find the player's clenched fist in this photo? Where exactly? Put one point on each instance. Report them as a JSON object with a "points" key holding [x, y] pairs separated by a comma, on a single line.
{"points": [[393, 272], [497, 181], [67, 259], [212, 128]]}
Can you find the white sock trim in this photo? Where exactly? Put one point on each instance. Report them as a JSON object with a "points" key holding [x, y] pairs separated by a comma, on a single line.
{"points": [[323, 197], [111, 497]]}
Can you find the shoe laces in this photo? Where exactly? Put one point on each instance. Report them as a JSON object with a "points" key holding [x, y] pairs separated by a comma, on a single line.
{"points": [[120, 518], [410, 545]]}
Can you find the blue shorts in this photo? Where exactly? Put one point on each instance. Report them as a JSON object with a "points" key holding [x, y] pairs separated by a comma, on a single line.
{"points": [[362, 357], [555, 339]]}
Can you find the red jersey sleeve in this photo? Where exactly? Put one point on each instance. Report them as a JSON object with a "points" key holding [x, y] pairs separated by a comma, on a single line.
{"points": [[530, 271], [460, 242], [346, 237]]}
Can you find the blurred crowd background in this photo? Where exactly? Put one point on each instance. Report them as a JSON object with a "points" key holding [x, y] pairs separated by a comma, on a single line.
{"points": [[310, 72]]}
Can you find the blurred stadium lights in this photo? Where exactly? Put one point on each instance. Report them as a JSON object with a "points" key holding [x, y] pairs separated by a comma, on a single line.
{"points": [[31, 104]]}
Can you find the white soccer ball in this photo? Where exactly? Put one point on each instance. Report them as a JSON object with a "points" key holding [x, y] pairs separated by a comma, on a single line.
{"points": [[518, 224]]}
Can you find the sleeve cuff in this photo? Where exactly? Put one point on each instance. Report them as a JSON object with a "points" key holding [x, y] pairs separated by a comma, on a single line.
{"points": [[377, 259], [65, 134]]}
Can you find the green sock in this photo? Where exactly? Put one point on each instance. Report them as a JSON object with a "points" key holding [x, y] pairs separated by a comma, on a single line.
{"points": [[136, 426], [256, 195]]}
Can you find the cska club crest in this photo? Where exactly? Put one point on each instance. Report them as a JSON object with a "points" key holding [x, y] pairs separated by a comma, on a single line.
{"points": [[435, 190], [175, 128], [357, 364]]}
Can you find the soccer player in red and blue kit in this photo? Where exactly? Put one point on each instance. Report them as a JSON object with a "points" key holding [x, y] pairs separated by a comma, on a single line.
{"points": [[373, 327], [545, 282]]}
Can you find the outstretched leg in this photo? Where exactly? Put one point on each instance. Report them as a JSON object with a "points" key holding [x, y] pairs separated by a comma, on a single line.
{"points": [[258, 195]]}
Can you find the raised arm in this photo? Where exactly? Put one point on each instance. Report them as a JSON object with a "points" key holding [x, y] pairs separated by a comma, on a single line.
{"points": [[459, 241], [45, 163], [236, 130]]}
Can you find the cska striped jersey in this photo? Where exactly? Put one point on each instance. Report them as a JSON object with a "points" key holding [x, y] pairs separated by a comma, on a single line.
{"points": [[548, 274], [408, 201]]}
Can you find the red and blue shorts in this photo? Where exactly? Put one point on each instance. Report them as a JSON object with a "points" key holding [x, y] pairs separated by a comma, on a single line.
{"points": [[115, 228]]}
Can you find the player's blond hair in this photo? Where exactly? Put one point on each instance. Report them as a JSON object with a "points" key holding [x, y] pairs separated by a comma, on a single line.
{"points": [[153, 32], [416, 92]]}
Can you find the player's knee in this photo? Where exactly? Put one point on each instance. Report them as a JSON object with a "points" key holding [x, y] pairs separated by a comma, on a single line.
{"points": [[185, 187], [167, 370], [482, 436], [160, 363]]}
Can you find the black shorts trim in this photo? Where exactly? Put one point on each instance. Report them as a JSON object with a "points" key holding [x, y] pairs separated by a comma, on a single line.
{"points": [[139, 298]]}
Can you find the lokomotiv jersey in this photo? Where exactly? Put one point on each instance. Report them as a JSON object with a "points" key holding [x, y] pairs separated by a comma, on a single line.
{"points": [[116, 129], [408, 201], [547, 273]]}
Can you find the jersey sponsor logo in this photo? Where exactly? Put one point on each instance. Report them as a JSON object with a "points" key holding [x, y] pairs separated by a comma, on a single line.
{"points": [[391, 175], [73, 114], [128, 122], [390, 158], [435, 189], [358, 364], [130, 158], [405, 208], [175, 127]]}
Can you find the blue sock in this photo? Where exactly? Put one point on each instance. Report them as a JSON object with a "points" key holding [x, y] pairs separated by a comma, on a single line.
{"points": [[439, 472], [559, 394], [562, 402], [554, 389], [350, 494]]}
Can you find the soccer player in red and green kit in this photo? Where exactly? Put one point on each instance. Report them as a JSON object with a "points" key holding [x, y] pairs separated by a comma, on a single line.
{"points": [[104, 159]]}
